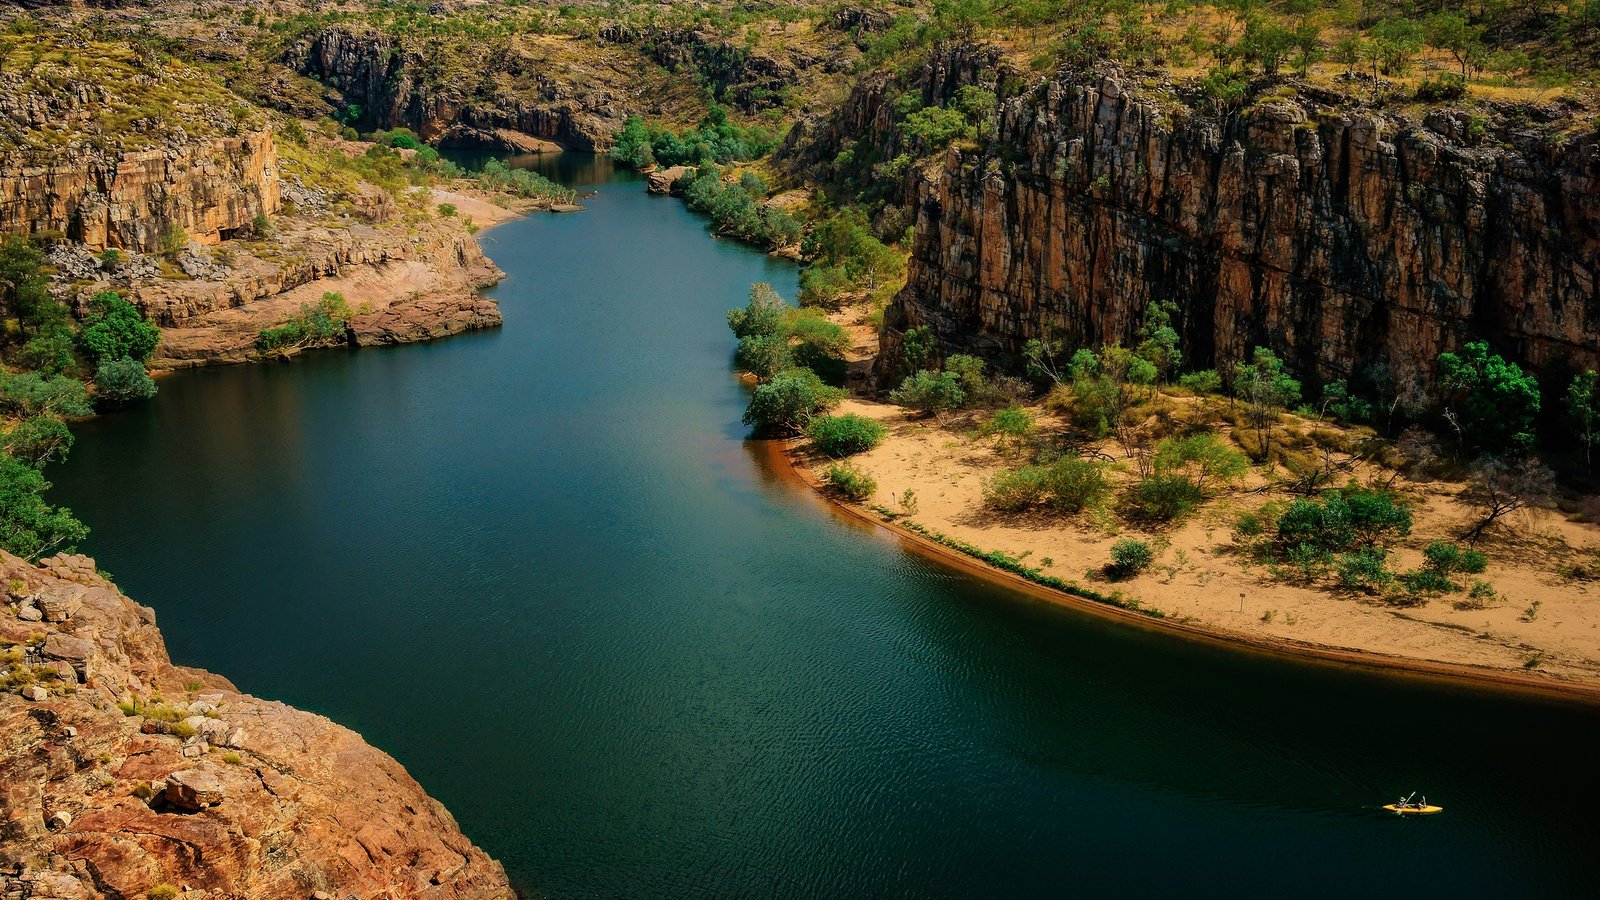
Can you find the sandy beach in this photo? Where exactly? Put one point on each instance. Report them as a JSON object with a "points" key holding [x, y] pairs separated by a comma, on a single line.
{"points": [[1204, 586]]}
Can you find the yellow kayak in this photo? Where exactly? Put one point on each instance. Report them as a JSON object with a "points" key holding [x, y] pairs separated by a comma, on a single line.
{"points": [[1413, 810]]}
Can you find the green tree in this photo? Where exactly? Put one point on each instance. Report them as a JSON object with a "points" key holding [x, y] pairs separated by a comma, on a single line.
{"points": [[123, 381], [839, 436], [1158, 340], [1265, 388], [787, 403], [30, 527], [1452, 32], [1583, 410], [1010, 427], [763, 314], [38, 440], [114, 329], [24, 288], [1266, 43], [1489, 401]]}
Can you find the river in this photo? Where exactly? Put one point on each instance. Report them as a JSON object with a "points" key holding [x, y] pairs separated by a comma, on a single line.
{"points": [[542, 567]]}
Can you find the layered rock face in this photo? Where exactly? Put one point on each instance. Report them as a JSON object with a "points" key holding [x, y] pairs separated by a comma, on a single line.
{"points": [[207, 790], [392, 88], [1339, 237], [207, 188]]}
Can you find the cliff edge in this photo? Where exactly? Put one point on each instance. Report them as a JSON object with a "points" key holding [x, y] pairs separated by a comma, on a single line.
{"points": [[122, 772]]}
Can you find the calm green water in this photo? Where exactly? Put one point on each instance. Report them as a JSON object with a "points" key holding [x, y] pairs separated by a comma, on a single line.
{"points": [[542, 568]]}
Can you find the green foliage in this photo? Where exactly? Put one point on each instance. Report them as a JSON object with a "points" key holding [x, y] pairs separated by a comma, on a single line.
{"points": [[1205, 381], [50, 352], [763, 314], [525, 183], [1349, 519], [123, 381], [850, 481], [1490, 401], [1016, 490], [935, 127], [930, 393], [1447, 558], [916, 348], [1582, 404], [24, 287], [845, 257], [319, 324], [28, 394], [763, 355], [38, 440], [1158, 340], [1266, 388], [1203, 458], [30, 527], [738, 213], [716, 140], [1011, 426], [115, 329], [788, 402], [1365, 570], [840, 436], [774, 336], [1104, 386], [1129, 557], [1068, 485], [1161, 499]]}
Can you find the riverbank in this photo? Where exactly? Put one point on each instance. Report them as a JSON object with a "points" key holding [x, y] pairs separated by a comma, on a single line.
{"points": [[1200, 588]]}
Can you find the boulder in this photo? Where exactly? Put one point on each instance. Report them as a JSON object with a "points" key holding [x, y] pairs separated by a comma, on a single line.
{"points": [[661, 181], [61, 600], [75, 651], [30, 613], [60, 820], [35, 693], [193, 789]]}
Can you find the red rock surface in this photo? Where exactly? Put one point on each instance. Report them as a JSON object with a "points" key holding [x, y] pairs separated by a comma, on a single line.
{"points": [[294, 806]]}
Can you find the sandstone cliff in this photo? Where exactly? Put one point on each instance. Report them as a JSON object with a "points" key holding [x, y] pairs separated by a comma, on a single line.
{"points": [[189, 783], [1352, 241]]}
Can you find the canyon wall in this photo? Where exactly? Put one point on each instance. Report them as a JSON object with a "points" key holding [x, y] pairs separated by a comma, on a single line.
{"points": [[131, 200], [190, 783], [1343, 238], [398, 87]]}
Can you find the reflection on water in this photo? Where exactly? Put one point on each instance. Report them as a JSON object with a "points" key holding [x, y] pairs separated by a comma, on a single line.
{"points": [[542, 568]]}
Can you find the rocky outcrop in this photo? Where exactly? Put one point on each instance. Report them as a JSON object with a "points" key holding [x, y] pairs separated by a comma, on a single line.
{"points": [[208, 189], [404, 284], [1354, 242], [207, 790], [396, 86], [749, 79]]}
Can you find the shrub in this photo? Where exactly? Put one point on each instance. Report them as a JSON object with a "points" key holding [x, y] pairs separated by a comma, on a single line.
{"points": [[1447, 558], [1011, 426], [850, 481], [1343, 520], [932, 393], [788, 402], [1075, 484], [115, 329], [1202, 456], [1016, 490], [1365, 569], [1206, 381], [163, 891], [1129, 557], [123, 381], [1427, 581], [1161, 498], [839, 436], [447, 209], [318, 325]]}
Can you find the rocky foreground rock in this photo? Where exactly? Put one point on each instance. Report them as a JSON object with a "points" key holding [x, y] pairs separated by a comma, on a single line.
{"points": [[121, 773]]}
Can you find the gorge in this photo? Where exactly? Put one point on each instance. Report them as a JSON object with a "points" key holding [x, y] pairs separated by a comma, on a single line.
{"points": [[561, 566]]}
